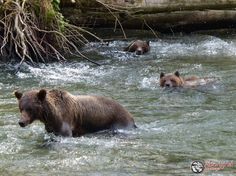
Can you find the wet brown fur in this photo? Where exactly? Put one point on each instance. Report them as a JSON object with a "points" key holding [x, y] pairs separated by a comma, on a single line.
{"points": [[138, 46], [68, 115], [175, 80]]}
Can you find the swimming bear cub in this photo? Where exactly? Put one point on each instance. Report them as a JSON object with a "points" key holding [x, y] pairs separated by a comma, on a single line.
{"points": [[65, 114], [175, 80], [139, 47]]}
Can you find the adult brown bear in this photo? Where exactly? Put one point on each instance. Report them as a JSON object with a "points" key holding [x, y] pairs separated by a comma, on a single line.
{"points": [[67, 115]]}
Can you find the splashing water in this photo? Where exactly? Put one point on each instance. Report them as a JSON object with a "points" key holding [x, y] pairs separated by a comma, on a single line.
{"points": [[175, 127]]}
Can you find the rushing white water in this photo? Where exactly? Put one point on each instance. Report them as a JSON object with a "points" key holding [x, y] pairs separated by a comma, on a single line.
{"points": [[175, 126]]}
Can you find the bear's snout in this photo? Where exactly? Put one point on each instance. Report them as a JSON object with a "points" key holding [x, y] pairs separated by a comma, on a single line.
{"points": [[168, 84], [139, 51], [22, 124], [25, 119]]}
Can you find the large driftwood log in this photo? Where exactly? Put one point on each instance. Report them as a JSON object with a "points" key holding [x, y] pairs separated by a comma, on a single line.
{"points": [[160, 15]]}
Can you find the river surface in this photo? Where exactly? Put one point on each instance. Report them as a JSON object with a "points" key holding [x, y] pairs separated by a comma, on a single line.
{"points": [[175, 126]]}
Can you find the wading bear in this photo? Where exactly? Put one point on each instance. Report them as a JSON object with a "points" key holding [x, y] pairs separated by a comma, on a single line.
{"points": [[175, 80], [138, 46], [67, 115]]}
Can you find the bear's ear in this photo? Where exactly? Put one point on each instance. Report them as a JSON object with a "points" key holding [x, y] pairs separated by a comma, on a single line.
{"points": [[42, 94], [162, 74], [177, 74], [148, 42], [18, 95]]}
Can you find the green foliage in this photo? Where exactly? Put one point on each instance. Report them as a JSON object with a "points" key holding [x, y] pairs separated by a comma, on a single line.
{"points": [[56, 4], [53, 16], [50, 16], [62, 22], [60, 18]]}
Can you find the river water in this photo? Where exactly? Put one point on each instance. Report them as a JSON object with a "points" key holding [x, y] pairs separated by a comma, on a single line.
{"points": [[175, 127]]}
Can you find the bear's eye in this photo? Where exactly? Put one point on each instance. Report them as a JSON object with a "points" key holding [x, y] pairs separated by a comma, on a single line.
{"points": [[28, 109], [173, 81]]}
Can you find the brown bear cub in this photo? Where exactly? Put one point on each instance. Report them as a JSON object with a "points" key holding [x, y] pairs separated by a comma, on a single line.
{"points": [[138, 46], [67, 115], [175, 80]]}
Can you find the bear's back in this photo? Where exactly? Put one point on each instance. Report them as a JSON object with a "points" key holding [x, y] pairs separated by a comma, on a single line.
{"points": [[103, 112]]}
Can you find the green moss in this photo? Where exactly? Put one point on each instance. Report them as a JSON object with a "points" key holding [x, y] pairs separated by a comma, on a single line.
{"points": [[55, 4], [50, 16]]}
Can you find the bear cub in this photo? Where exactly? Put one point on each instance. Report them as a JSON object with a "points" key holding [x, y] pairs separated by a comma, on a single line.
{"points": [[175, 80], [139, 47], [65, 114]]}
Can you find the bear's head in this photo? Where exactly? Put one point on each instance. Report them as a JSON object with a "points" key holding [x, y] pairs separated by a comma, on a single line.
{"points": [[171, 80], [31, 106], [139, 47]]}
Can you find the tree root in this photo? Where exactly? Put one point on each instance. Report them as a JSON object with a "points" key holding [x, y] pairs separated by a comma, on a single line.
{"points": [[28, 38]]}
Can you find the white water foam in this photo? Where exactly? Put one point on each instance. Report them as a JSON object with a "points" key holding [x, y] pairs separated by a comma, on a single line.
{"points": [[149, 83], [191, 46], [68, 73]]}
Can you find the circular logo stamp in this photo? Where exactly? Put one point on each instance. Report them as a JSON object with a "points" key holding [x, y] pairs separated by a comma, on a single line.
{"points": [[197, 167]]}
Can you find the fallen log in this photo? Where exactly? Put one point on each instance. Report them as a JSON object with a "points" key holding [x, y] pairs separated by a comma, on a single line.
{"points": [[161, 15]]}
